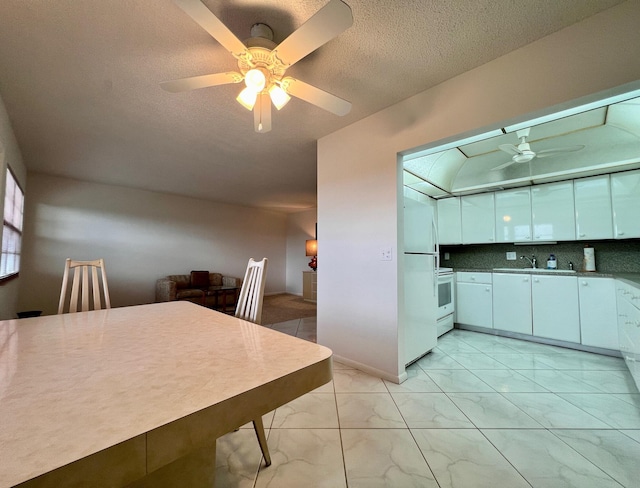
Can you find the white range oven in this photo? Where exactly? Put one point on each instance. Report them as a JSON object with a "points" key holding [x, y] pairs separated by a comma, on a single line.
{"points": [[446, 300]]}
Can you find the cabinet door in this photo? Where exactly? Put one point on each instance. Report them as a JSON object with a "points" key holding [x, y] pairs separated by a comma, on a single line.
{"points": [[449, 225], [598, 312], [555, 307], [513, 215], [594, 216], [552, 212], [625, 195], [474, 304], [478, 219], [512, 302]]}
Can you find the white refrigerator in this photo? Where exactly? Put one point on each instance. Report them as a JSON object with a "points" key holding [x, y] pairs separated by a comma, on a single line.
{"points": [[421, 262]]}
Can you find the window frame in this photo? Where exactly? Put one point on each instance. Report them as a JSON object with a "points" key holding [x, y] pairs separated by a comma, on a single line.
{"points": [[5, 223]]}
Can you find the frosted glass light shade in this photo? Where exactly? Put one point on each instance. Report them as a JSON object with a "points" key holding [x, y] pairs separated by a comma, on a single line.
{"points": [[247, 98], [279, 97], [311, 247], [255, 80]]}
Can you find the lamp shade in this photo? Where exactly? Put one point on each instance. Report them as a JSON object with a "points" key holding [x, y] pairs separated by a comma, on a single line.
{"points": [[311, 247]]}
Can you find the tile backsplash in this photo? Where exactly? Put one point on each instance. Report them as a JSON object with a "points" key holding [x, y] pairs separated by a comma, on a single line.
{"points": [[621, 256]]}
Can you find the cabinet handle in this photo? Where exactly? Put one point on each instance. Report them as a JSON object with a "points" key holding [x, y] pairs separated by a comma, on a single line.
{"points": [[584, 283], [627, 358], [582, 235], [487, 289], [536, 280], [473, 278], [526, 280], [620, 233]]}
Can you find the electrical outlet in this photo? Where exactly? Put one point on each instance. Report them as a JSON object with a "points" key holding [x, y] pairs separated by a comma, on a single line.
{"points": [[447, 256], [511, 256], [385, 254]]}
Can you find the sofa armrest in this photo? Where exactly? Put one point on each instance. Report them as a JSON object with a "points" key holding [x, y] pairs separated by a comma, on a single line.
{"points": [[230, 281], [165, 290]]}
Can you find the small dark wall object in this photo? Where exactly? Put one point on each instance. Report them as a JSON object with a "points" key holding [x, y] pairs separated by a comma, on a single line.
{"points": [[29, 313]]}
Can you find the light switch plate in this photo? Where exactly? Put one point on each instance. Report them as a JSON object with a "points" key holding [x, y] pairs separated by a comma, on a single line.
{"points": [[511, 256]]}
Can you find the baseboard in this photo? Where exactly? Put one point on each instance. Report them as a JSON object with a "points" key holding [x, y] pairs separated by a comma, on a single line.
{"points": [[372, 371]]}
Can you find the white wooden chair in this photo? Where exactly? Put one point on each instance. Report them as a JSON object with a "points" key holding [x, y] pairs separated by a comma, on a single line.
{"points": [[252, 292], [249, 308], [84, 288]]}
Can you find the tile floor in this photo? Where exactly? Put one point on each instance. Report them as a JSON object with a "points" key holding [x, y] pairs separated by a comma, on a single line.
{"points": [[479, 411]]}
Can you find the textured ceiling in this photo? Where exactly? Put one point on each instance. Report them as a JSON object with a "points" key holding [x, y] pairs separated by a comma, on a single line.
{"points": [[80, 81]]}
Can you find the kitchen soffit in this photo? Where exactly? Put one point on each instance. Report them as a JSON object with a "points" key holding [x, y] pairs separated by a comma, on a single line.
{"points": [[610, 136]]}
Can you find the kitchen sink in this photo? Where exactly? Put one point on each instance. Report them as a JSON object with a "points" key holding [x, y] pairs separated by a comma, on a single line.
{"points": [[536, 270]]}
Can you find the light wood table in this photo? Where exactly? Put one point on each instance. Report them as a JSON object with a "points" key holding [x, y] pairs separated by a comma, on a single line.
{"points": [[137, 396]]}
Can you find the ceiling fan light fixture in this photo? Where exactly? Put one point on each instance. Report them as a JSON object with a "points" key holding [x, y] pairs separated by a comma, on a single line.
{"points": [[255, 80], [247, 98], [279, 97]]}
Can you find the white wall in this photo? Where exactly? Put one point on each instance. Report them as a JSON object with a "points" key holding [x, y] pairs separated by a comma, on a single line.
{"points": [[10, 156], [359, 177], [300, 227], [141, 235]]}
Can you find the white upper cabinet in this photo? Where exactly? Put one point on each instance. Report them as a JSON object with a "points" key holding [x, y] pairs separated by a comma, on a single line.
{"points": [[513, 215], [552, 212], [478, 219], [449, 221], [625, 195], [594, 218]]}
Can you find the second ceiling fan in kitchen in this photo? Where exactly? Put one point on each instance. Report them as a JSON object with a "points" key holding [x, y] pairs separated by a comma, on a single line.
{"points": [[262, 63], [522, 153]]}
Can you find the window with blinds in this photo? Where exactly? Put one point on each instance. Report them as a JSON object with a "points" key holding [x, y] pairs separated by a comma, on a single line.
{"points": [[11, 228]]}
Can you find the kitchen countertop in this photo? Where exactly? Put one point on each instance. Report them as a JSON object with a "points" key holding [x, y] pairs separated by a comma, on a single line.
{"points": [[631, 278]]}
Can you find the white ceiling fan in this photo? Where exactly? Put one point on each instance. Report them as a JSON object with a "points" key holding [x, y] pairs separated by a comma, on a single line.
{"points": [[262, 63], [522, 153]]}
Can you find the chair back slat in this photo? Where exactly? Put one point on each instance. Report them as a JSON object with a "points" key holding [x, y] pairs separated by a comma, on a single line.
{"points": [[84, 288], [252, 292]]}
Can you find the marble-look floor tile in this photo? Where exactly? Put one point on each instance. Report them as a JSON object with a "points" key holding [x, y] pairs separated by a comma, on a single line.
{"points": [[632, 398], [610, 450], [368, 411], [534, 347], [430, 410], [303, 457], [552, 411], [464, 458], [418, 381], [437, 359], [633, 434], [493, 411], [506, 380], [546, 461], [352, 380], [454, 380], [577, 360], [557, 381], [326, 388], [522, 360], [384, 458], [476, 361], [609, 409], [607, 381], [310, 411], [238, 458], [449, 346]]}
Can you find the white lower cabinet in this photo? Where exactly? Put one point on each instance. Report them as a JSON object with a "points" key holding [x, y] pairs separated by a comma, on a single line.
{"points": [[598, 312], [474, 299], [512, 302], [555, 307], [628, 299]]}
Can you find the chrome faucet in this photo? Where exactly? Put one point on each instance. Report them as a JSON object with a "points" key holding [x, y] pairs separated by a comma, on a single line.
{"points": [[533, 261]]}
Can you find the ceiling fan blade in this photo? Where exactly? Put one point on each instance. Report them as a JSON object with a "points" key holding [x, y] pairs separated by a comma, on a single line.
{"points": [[558, 150], [509, 149], [327, 23], [204, 81], [502, 166], [316, 96], [213, 25], [262, 113]]}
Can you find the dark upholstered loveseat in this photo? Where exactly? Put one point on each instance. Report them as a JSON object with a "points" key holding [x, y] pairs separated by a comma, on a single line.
{"points": [[201, 287]]}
